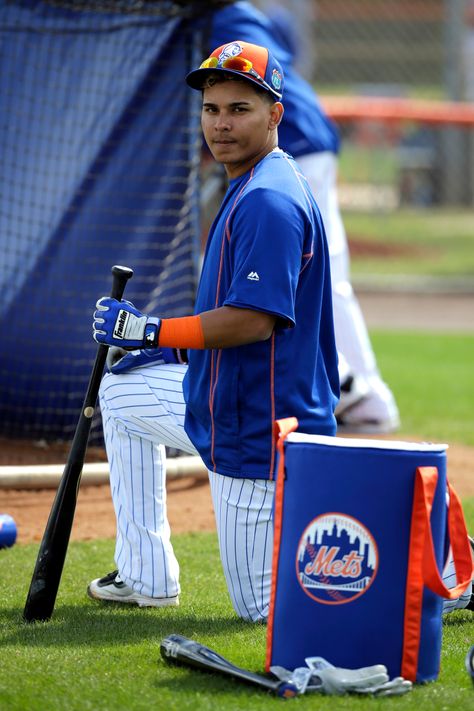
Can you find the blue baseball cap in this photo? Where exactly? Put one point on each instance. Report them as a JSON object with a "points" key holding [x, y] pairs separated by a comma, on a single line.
{"points": [[249, 61]]}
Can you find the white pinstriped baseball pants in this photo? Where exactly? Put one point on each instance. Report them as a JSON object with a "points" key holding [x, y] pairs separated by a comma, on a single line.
{"points": [[142, 411]]}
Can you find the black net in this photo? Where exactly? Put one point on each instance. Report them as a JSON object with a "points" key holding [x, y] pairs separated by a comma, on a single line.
{"points": [[164, 8], [100, 147]]}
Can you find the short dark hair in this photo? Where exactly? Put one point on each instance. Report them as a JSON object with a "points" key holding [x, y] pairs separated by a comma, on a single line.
{"points": [[221, 77]]}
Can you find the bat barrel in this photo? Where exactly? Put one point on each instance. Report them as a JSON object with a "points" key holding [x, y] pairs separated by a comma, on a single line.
{"points": [[53, 548], [180, 650]]}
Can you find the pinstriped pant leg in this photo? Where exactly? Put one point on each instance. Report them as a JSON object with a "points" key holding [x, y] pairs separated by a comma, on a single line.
{"points": [[450, 580], [244, 512], [142, 411]]}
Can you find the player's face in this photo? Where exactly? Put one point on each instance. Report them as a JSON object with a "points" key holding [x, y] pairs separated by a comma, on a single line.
{"points": [[239, 126]]}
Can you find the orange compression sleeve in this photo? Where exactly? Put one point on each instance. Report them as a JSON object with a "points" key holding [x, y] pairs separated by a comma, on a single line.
{"points": [[184, 332]]}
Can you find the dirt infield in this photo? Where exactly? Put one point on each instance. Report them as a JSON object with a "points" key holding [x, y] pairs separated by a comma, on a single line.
{"points": [[447, 312], [189, 509]]}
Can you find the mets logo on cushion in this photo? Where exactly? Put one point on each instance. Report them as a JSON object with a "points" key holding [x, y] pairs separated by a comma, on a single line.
{"points": [[337, 559]]}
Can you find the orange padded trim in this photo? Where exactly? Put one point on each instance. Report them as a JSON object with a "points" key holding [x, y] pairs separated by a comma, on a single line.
{"points": [[426, 480], [395, 110], [185, 332], [281, 428]]}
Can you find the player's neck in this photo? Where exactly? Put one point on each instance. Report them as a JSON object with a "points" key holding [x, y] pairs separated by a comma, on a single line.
{"points": [[237, 169]]}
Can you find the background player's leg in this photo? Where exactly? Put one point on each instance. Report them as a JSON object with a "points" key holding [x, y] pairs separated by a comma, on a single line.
{"points": [[377, 411], [243, 510], [450, 580], [142, 411]]}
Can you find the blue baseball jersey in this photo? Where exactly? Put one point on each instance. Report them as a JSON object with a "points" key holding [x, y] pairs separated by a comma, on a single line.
{"points": [[266, 251], [305, 127]]}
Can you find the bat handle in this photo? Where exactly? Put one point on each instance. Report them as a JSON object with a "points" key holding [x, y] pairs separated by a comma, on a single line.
{"points": [[120, 277]]}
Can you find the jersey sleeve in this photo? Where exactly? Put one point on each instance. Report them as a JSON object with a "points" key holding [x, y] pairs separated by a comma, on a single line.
{"points": [[266, 239]]}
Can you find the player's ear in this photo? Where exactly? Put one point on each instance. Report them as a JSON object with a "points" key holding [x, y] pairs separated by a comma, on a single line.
{"points": [[276, 114]]}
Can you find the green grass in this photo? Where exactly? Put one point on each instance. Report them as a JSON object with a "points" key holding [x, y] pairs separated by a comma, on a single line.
{"points": [[374, 165], [432, 92], [94, 656], [432, 377], [435, 242]]}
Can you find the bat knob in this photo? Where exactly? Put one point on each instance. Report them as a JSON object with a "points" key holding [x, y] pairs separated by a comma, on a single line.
{"points": [[124, 272], [287, 690], [120, 277]]}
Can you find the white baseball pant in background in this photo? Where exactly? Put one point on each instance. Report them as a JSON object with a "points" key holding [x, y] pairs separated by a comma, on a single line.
{"points": [[143, 411], [352, 338]]}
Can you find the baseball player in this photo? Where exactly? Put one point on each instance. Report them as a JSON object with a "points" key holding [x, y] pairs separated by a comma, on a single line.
{"points": [[366, 404], [261, 346]]}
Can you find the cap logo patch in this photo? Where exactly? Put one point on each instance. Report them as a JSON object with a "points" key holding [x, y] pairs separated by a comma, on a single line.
{"points": [[276, 79], [230, 50]]}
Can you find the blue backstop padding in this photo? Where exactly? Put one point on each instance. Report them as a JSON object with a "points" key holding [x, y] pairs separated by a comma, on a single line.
{"points": [[100, 148]]}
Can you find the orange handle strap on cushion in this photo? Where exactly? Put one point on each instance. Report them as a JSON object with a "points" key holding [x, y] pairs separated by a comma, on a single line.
{"points": [[282, 428], [461, 550], [422, 566], [425, 489]]}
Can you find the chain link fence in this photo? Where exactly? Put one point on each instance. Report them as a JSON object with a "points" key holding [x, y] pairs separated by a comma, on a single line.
{"points": [[402, 51]]}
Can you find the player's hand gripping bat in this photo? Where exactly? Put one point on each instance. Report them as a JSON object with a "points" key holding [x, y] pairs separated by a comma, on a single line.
{"points": [[52, 553], [181, 650]]}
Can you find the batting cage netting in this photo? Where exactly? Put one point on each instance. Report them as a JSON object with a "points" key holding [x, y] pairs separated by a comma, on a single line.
{"points": [[100, 147]]}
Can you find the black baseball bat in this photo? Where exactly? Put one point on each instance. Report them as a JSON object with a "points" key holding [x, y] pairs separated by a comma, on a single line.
{"points": [[52, 553], [180, 650]]}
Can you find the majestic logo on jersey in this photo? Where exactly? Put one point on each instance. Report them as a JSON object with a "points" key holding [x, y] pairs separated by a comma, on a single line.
{"points": [[230, 50], [253, 276], [337, 559], [120, 323]]}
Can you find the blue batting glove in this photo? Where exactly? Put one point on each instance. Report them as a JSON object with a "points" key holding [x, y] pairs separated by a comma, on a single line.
{"points": [[121, 361], [119, 323]]}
